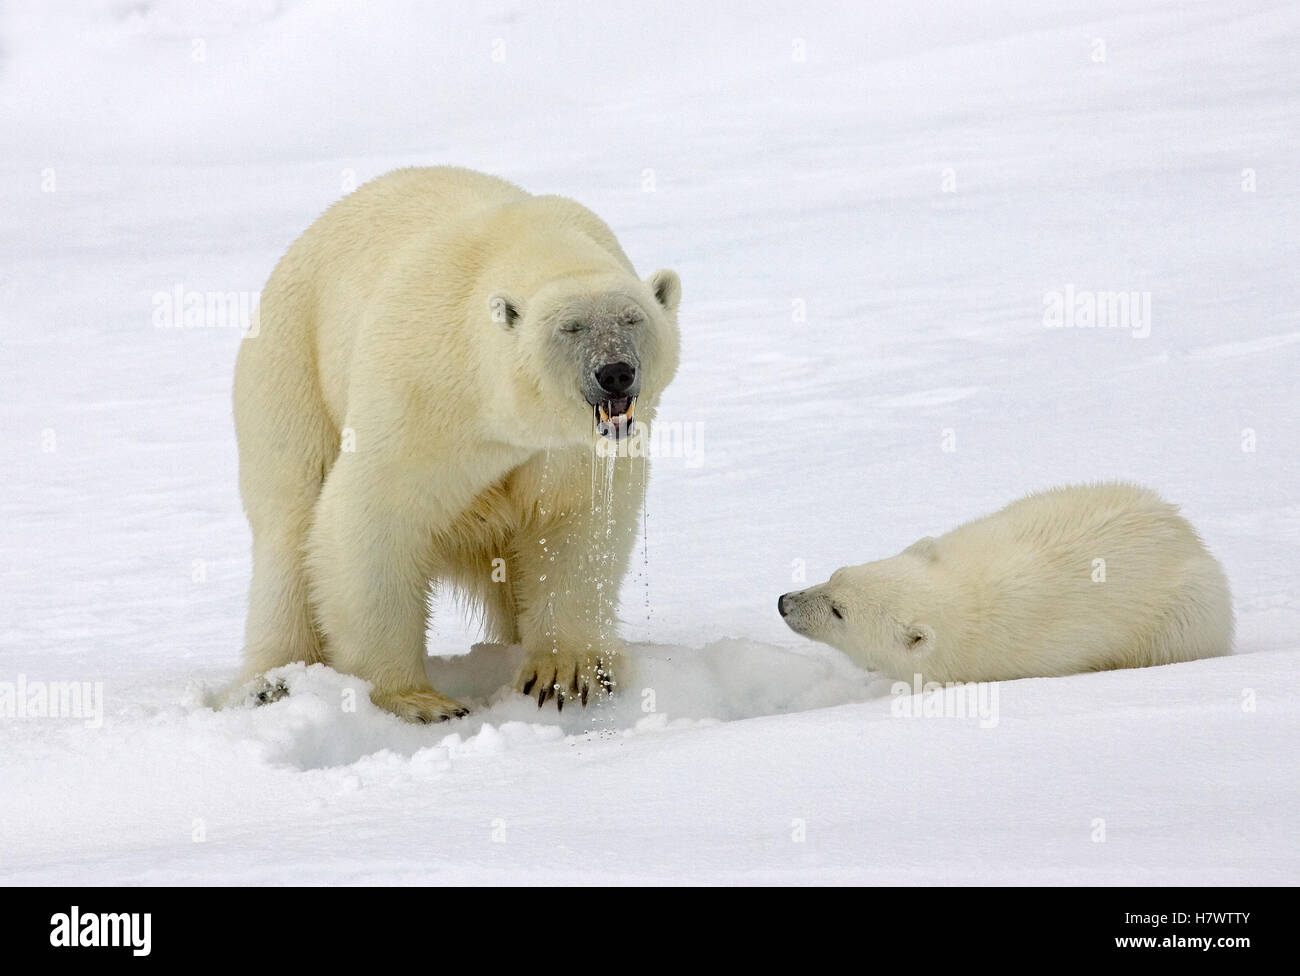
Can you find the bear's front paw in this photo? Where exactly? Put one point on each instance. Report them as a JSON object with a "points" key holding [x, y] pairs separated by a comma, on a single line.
{"points": [[419, 705], [564, 675]]}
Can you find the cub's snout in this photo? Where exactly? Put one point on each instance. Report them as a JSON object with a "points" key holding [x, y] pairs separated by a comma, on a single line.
{"points": [[808, 612], [788, 604]]}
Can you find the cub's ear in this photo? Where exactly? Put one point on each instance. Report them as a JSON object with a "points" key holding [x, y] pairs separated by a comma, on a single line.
{"points": [[505, 309], [918, 638], [926, 548], [667, 288]]}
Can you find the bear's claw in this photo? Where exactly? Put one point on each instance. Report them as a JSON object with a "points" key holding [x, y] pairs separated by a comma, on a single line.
{"points": [[571, 677], [270, 692], [257, 691]]}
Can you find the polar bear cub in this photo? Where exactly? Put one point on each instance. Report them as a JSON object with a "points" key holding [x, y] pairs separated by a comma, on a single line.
{"points": [[1078, 578]]}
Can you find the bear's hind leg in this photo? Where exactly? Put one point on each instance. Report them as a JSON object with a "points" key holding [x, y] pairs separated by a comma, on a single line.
{"points": [[286, 446], [281, 628]]}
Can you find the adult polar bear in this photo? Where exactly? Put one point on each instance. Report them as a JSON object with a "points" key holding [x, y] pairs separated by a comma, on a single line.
{"points": [[421, 401]]}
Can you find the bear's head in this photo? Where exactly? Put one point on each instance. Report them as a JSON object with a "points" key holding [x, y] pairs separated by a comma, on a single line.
{"points": [[583, 351], [881, 614]]}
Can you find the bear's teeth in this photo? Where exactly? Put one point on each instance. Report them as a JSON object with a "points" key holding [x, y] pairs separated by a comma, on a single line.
{"points": [[631, 408], [604, 415]]}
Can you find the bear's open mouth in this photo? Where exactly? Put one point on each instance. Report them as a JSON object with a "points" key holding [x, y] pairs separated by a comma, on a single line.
{"points": [[614, 417]]}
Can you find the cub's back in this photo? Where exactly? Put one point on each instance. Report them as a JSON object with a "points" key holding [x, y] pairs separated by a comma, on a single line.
{"points": [[1069, 522], [1082, 575]]}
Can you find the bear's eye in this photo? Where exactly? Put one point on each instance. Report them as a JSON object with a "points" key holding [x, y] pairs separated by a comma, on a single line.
{"points": [[571, 327], [835, 612], [632, 318]]}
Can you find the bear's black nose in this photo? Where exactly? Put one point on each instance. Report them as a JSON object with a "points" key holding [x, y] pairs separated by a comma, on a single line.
{"points": [[616, 378], [780, 604]]}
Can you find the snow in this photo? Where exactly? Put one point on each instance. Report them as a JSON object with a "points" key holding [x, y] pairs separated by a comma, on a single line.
{"points": [[865, 361]]}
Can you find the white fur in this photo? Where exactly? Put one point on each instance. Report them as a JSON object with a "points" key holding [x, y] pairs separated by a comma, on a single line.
{"points": [[471, 439], [1017, 594]]}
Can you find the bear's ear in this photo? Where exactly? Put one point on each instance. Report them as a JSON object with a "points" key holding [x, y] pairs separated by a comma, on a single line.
{"points": [[505, 309], [925, 547], [918, 638], [667, 288]]}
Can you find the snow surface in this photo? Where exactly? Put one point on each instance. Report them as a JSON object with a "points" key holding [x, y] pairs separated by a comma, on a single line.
{"points": [[786, 159]]}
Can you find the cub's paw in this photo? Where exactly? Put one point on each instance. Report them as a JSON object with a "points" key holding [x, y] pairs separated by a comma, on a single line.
{"points": [[566, 676], [422, 705]]}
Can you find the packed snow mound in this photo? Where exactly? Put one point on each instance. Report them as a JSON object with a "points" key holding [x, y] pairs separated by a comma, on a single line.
{"points": [[326, 718]]}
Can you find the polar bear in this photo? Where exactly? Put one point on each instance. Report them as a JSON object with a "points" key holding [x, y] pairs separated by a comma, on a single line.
{"points": [[1078, 578], [435, 361]]}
